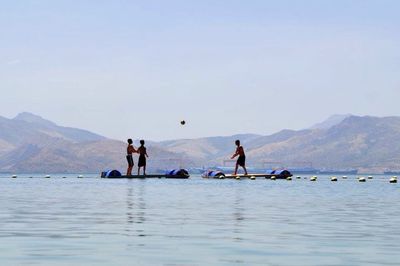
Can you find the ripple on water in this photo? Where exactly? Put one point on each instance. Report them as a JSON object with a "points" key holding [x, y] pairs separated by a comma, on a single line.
{"points": [[197, 222]]}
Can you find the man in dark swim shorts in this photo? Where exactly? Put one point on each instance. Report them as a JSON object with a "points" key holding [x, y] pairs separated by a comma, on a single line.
{"points": [[241, 161], [129, 150]]}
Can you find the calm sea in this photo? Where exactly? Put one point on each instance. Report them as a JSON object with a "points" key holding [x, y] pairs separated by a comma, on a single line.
{"points": [[92, 221]]}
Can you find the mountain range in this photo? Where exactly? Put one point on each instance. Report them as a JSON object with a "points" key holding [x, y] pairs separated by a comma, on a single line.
{"points": [[31, 144]]}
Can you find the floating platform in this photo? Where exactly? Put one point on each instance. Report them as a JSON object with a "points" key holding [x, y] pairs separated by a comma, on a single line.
{"points": [[249, 176], [267, 176], [281, 174], [173, 174], [149, 176]]}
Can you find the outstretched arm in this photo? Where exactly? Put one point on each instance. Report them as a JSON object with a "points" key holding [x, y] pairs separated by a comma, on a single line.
{"points": [[236, 154], [132, 149]]}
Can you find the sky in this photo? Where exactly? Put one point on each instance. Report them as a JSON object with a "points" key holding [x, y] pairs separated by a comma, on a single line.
{"points": [[137, 68]]}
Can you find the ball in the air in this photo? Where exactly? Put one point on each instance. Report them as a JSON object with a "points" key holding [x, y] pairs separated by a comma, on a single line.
{"points": [[183, 122]]}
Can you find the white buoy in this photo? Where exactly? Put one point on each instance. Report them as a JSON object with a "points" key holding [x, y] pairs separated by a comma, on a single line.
{"points": [[298, 177], [221, 177], [47, 176], [14, 176], [344, 177], [362, 179], [370, 177], [80, 176], [393, 179], [237, 177], [273, 177], [252, 177], [333, 178], [313, 178], [289, 178]]}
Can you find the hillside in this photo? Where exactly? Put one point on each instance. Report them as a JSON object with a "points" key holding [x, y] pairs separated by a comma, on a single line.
{"points": [[367, 143], [29, 143]]}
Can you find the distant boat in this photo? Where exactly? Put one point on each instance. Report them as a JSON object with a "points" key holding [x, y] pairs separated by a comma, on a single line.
{"points": [[392, 172], [341, 172], [227, 169], [303, 170]]}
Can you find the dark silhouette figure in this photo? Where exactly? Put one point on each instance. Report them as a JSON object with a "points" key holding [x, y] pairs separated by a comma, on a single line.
{"points": [[241, 161], [129, 150], [142, 157]]}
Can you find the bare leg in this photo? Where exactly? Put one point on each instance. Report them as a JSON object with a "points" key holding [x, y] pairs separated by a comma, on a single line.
{"points": [[236, 168], [245, 170], [144, 170]]}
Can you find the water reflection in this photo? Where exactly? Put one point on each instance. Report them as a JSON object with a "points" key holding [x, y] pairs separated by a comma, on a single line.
{"points": [[198, 222], [238, 213], [135, 207]]}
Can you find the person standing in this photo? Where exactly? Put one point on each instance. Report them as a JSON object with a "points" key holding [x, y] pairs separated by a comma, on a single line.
{"points": [[142, 157], [129, 150], [241, 161]]}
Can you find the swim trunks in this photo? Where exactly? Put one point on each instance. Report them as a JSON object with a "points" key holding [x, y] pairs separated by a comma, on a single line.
{"points": [[129, 159], [241, 160]]}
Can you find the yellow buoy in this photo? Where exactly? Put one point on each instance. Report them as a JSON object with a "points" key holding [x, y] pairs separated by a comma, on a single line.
{"points": [[273, 177], [313, 178], [237, 177], [362, 179], [252, 177], [393, 179], [289, 178], [334, 178]]}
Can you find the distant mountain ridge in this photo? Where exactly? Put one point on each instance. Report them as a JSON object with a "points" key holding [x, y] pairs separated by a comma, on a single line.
{"points": [[366, 143], [29, 143], [330, 122]]}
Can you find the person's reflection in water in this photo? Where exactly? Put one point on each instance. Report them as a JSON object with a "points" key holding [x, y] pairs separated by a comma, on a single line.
{"points": [[136, 207], [238, 215]]}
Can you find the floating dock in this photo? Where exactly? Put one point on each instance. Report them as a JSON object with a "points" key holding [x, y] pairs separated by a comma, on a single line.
{"points": [[173, 174], [249, 176], [149, 176]]}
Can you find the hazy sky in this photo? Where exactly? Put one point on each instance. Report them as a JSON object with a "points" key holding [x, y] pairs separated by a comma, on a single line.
{"points": [[136, 68]]}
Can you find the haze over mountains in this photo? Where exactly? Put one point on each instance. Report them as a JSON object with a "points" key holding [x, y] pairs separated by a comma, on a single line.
{"points": [[31, 144]]}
